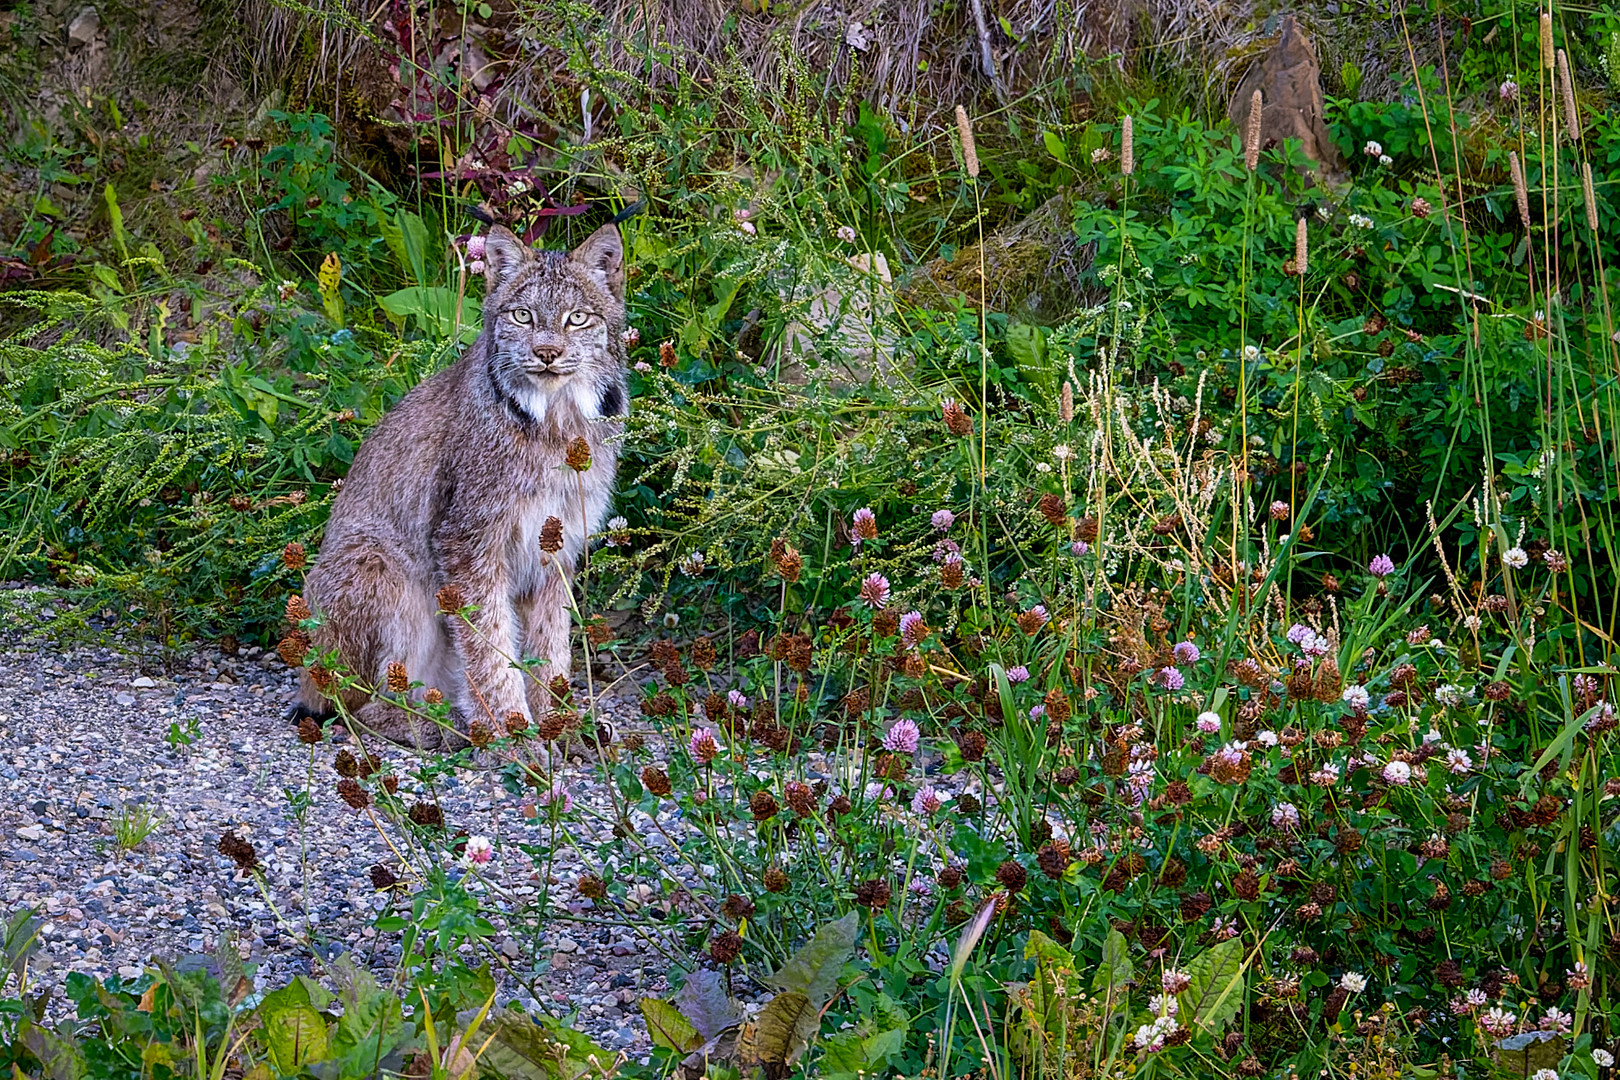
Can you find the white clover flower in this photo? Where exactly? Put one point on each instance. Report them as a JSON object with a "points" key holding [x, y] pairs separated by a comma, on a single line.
{"points": [[1516, 558], [1353, 981], [1209, 723], [1544, 1074], [1251, 353], [1602, 1058], [617, 522], [1361, 221], [1373, 148], [1356, 697], [1450, 695], [1063, 452], [1266, 738], [1398, 772], [1100, 155], [1386, 160], [478, 851]]}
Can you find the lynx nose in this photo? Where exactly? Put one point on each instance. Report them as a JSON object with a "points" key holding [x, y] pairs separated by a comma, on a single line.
{"points": [[547, 354]]}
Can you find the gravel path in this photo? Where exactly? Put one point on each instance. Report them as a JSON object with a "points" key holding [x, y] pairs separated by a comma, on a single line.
{"points": [[83, 743]]}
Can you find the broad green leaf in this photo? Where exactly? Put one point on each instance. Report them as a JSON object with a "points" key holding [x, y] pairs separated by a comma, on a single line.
{"points": [[434, 308], [524, 1049], [1216, 990], [813, 971], [668, 1028], [1055, 147], [704, 1002], [1115, 969], [58, 1052], [781, 1032], [295, 1035], [1041, 947]]}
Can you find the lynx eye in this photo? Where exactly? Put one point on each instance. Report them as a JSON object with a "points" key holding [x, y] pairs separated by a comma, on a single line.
{"points": [[521, 316], [578, 318]]}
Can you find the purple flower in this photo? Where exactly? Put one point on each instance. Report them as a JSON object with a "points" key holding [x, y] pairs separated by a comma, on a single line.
{"points": [[942, 520], [927, 801], [475, 247], [703, 746], [1018, 674], [1186, 652], [911, 628], [902, 737], [1208, 722], [1381, 566], [1171, 679], [556, 795], [1298, 632], [1079, 547], [877, 789], [737, 700], [1285, 816], [1039, 612], [865, 524], [945, 549], [875, 591], [1037, 711]]}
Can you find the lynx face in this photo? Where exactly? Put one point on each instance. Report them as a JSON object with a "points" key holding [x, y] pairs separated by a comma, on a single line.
{"points": [[554, 323]]}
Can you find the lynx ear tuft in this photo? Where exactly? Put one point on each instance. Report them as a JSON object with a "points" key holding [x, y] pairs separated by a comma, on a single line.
{"points": [[602, 256], [504, 254]]}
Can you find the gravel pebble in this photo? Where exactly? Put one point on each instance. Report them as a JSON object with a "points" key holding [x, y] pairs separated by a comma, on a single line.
{"points": [[85, 733]]}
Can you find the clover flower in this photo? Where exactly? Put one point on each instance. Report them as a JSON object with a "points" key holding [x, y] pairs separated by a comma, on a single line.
{"points": [[912, 630], [556, 795], [1516, 557], [942, 520], [703, 746], [1173, 981], [1458, 761], [1079, 547], [1498, 1022], [865, 524], [1353, 982], [903, 737], [1208, 722], [1285, 816], [1326, 776], [1266, 738], [1171, 679], [1557, 1020], [927, 800], [1602, 1058], [877, 789], [1356, 697], [1186, 652], [479, 850], [1018, 674], [875, 591], [1508, 91], [1381, 566], [1398, 772], [736, 699], [846, 233], [1373, 148]]}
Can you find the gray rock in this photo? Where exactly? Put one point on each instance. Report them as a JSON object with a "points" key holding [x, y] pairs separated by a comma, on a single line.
{"points": [[84, 27]]}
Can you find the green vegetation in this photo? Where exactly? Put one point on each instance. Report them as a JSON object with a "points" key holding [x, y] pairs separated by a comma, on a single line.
{"points": [[1203, 667]]}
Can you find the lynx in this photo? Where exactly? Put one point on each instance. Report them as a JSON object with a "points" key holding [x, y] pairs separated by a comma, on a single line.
{"points": [[454, 487]]}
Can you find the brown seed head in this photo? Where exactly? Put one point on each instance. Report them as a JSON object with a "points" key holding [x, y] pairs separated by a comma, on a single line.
{"points": [[666, 354], [382, 878], [399, 681], [873, 893], [591, 887], [775, 879], [516, 723], [1053, 510], [1012, 876], [309, 730], [551, 535], [762, 805], [656, 781], [972, 744], [345, 764], [725, 948], [957, 422], [433, 697], [426, 815], [789, 565], [451, 599], [293, 557], [738, 907], [353, 794], [239, 851], [479, 733], [1251, 132], [579, 454], [964, 135], [297, 609], [293, 648], [703, 654]]}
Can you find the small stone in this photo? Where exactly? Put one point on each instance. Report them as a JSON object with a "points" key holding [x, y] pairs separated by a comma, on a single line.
{"points": [[510, 949], [566, 945], [144, 682], [125, 699], [129, 971], [31, 832]]}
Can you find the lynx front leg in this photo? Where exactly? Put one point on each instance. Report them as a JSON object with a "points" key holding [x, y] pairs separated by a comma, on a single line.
{"points": [[487, 643], [547, 615]]}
